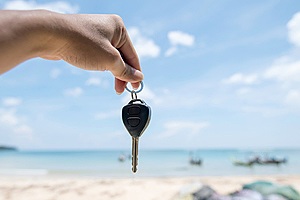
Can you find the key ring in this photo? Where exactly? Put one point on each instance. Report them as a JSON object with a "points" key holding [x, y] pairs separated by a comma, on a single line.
{"points": [[133, 91]]}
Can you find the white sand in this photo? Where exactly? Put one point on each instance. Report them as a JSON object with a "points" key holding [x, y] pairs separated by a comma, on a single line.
{"points": [[62, 188]]}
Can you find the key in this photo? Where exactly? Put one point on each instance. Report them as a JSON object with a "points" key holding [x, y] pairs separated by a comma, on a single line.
{"points": [[135, 148], [136, 116]]}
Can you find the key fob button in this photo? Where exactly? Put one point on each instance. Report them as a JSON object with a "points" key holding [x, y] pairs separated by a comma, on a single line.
{"points": [[136, 116], [134, 110], [133, 121]]}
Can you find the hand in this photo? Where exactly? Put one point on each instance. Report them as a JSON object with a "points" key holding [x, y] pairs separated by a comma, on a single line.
{"points": [[91, 42], [97, 42]]}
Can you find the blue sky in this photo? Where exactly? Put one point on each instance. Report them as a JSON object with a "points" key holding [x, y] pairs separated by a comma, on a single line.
{"points": [[218, 74]]}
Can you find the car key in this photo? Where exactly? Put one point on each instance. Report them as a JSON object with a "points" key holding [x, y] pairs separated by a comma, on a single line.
{"points": [[136, 116]]}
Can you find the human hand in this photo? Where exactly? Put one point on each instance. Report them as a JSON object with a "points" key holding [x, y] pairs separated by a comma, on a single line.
{"points": [[96, 42], [91, 42]]}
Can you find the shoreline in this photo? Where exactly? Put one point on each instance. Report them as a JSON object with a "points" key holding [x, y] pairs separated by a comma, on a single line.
{"points": [[86, 188]]}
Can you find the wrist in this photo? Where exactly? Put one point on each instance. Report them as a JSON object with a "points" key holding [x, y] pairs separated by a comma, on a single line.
{"points": [[35, 32], [29, 34], [44, 31]]}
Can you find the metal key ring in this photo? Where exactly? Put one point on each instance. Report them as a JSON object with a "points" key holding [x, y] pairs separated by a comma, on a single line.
{"points": [[137, 91]]}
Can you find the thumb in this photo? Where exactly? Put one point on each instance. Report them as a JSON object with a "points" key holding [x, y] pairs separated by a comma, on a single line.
{"points": [[125, 72], [130, 74]]}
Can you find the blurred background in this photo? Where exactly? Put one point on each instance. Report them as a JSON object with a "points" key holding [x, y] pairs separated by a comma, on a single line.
{"points": [[218, 75]]}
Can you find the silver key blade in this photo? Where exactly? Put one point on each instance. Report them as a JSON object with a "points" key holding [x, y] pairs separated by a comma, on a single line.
{"points": [[135, 146]]}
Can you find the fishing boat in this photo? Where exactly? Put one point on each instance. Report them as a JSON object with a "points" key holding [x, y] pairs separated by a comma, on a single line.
{"points": [[275, 161], [195, 161], [260, 161], [243, 163]]}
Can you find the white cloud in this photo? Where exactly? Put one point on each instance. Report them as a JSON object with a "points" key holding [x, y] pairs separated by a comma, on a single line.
{"points": [[294, 29], [293, 97], [11, 101], [243, 91], [107, 115], [279, 82], [73, 92], [56, 6], [96, 81], [239, 78], [285, 70], [277, 92], [23, 129], [10, 119], [169, 98], [93, 81], [144, 46], [146, 94], [55, 73], [181, 38], [172, 50], [173, 128], [150, 96]]}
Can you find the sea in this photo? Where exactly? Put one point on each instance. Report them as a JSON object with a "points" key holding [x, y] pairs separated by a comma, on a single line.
{"points": [[151, 163]]}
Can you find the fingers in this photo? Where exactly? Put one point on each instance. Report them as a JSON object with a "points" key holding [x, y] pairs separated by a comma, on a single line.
{"points": [[129, 69], [135, 85], [125, 73], [128, 52], [130, 57], [131, 75], [120, 85]]}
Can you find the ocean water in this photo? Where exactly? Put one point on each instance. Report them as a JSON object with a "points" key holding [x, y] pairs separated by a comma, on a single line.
{"points": [[152, 163]]}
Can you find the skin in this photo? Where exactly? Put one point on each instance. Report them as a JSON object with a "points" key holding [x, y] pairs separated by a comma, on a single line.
{"points": [[88, 41]]}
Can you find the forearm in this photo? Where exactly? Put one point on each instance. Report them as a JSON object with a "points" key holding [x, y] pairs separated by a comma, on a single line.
{"points": [[22, 36], [91, 42]]}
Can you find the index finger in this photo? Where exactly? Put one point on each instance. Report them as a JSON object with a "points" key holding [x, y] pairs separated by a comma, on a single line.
{"points": [[129, 55], [128, 52]]}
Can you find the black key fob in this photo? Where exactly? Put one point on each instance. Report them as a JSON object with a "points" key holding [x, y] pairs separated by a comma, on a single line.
{"points": [[136, 116]]}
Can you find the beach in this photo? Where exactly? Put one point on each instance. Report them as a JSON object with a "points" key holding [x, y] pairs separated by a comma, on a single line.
{"points": [[66, 188], [162, 174]]}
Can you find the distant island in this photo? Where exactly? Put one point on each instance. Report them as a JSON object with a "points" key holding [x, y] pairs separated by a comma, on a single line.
{"points": [[7, 148]]}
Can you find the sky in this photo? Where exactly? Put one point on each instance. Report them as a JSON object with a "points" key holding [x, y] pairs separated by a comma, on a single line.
{"points": [[218, 74]]}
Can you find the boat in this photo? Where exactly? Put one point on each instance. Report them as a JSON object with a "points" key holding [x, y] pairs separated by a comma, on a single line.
{"points": [[260, 161], [123, 157], [7, 148], [275, 161], [243, 163], [195, 161]]}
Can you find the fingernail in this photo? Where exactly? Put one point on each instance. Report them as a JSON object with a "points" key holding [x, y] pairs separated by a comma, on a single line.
{"points": [[135, 88], [119, 93], [139, 74]]}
